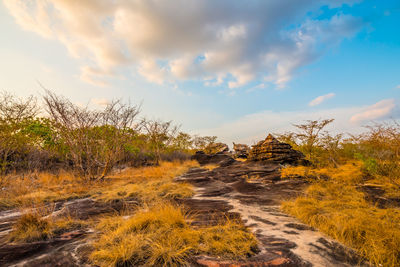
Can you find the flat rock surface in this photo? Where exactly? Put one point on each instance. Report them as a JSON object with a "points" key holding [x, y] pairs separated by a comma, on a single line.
{"points": [[253, 192], [66, 249]]}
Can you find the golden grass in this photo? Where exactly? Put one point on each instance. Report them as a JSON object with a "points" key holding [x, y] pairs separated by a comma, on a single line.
{"points": [[150, 184], [158, 232], [163, 170], [161, 236], [347, 173], [33, 227], [210, 167], [27, 190], [29, 228], [229, 240], [336, 208], [36, 188]]}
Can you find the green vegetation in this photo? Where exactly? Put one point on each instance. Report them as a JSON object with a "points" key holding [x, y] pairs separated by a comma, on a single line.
{"points": [[335, 203], [87, 142]]}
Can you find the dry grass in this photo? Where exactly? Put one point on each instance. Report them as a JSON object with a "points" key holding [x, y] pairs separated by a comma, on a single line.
{"points": [[164, 170], [150, 184], [347, 173], [161, 236], [337, 208], [229, 240], [33, 227], [210, 167], [29, 228], [26, 190], [156, 234], [35, 188]]}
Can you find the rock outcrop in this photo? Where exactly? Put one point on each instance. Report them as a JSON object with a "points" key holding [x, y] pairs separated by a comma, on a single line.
{"points": [[218, 158], [271, 149], [252, 192], [215, 148], [241, 150]]}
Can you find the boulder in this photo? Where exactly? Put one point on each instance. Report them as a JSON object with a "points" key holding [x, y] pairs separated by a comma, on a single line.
{"points": [[271, 149], [241, 150]]}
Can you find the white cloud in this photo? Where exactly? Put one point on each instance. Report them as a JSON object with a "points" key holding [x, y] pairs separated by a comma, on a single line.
{"points": [[152, 71], [318, 100], [378, 110], [398, 86], [225, 42]]}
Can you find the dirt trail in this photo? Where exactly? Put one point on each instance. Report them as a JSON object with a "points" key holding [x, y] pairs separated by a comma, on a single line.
{"points": [[253, 192]]}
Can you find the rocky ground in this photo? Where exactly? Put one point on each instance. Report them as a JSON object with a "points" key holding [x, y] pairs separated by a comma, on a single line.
{"points": [[251, 192]]}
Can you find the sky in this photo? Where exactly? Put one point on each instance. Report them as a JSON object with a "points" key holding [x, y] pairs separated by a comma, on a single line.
{"points": [[235, 69]]}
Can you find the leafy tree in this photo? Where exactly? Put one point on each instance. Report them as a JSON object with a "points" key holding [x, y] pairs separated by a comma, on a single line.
{"points": [[160, 134], [309, 135], [15, 115], [202, 142], [183, 142]]}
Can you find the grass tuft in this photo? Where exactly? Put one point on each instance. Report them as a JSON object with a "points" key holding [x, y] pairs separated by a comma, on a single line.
{"points": [[29, 228], [161, 236], [342, 212], [33, 227]]}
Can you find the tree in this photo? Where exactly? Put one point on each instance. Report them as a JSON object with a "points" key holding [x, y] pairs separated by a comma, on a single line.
{"points": [[309, 134], [15, 114], [331, 144], [288, 138], [202, 142], [160, 134], [94, 139], [183, 142]]}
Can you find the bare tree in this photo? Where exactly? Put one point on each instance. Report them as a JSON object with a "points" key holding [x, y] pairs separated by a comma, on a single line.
{"points": [[94, 139], [118, 125], [332, 145], [17, 109]]}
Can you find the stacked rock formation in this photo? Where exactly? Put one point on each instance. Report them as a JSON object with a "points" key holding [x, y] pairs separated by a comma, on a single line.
{"points": [[241, 150], [271, 149]]}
